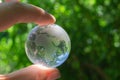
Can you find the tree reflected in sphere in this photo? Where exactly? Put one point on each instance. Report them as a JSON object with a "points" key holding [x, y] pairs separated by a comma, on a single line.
{"points": [[48, 45]]}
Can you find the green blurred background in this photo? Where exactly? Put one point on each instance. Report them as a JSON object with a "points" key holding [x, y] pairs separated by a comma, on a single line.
{"points": [[94, 29]]}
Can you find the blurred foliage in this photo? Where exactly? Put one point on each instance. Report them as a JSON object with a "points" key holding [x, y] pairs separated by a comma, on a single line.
{"points": [[94, 29]]}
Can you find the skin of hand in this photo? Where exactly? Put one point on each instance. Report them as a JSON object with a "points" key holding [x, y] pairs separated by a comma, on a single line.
{"points": [[10, 0], [34, 72], [13, 12]]}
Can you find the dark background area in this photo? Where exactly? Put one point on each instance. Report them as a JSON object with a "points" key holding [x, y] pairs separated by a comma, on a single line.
{"points": [[94, 30]]}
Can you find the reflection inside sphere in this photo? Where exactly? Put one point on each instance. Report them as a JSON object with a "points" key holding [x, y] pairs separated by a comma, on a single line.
{"points": [[48, 45]]}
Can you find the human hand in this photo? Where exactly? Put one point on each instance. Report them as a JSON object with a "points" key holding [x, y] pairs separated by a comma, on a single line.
{"points": [[33, 72], [13, 12]]}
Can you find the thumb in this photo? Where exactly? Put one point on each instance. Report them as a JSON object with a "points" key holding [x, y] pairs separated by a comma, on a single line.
{"points": [[31, 13], [10, 0], [15, 12]]}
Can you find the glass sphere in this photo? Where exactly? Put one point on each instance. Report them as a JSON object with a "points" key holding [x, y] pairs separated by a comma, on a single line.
{"points": [[48, 45]]}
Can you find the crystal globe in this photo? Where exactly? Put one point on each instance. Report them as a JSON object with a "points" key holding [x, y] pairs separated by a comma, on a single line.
{"points": [[48, 45]]}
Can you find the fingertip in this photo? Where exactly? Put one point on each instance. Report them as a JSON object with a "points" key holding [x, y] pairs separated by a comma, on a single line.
{"points": [[53, 19], [46, 19], [50, 73], [53, 74], [50, 19]]}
